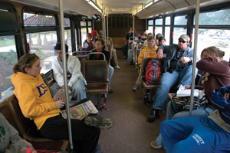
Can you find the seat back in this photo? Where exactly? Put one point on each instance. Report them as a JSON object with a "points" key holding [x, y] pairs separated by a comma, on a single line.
{"points": [[95, 71]]}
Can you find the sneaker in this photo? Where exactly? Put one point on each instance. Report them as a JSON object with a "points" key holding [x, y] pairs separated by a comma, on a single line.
{"points": [[98, 121], [117, 67], [155, 145], [134, 88]]}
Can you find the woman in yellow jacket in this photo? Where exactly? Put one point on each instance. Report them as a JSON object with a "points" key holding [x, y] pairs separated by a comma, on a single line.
{"points": [[149, 51], [36, 103]]}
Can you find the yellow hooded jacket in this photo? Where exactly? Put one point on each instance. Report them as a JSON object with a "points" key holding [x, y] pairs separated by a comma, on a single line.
{"points": [[34, 98], [147, 52]]}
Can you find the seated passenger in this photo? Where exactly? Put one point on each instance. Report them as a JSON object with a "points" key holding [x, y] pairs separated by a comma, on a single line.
{"points": [[100, 47], [200, 134], [10, 141], [150, 51], [113, 53], [37, 104], [76, 81], [179, 72], [216, 73], [88, 43]]}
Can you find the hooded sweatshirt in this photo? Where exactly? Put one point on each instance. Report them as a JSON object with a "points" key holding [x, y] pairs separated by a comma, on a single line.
{"points": [[147, 52], [219, 75], [34, 98], [10, 141]]}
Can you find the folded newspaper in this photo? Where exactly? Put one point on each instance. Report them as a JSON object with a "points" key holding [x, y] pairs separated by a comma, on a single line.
{"points": [[80, 111], [187, 93]]}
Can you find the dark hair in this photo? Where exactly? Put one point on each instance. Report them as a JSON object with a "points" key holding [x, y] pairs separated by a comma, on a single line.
{"points": [[161, 38], [26, 61], [102, 41], [58, 47]]}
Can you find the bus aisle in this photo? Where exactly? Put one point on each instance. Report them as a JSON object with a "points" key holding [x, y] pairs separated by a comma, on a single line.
{"points": [[131, 133]]}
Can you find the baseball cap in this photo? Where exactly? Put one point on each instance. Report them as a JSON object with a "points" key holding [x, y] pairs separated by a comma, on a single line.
{"points": [[185, 37]]}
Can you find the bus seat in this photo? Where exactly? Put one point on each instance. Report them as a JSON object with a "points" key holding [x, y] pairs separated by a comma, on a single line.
{"points": [[26, 127], [96, 75]]}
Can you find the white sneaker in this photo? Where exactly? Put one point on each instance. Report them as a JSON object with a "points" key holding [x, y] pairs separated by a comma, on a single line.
{"points": [[155, 145], [117, 67]]}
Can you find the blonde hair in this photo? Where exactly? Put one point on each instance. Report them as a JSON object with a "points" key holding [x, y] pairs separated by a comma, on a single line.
{"points": [[26, 61]]}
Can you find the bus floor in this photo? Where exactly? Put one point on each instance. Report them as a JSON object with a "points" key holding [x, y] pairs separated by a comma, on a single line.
{"points": [[130, 133]]}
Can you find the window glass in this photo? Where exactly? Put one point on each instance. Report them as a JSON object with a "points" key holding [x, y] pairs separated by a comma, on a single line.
{"points": [[83, 23], [77, 45], [42, 44], [89, 23], [68, 40], [89, 29], [158, 30], [176, 34], [66, 22], [221, 17], [31, 19], [150, 29], [8, 57], [180, 20], [168, 20], [167, 35], [213, 37], [150, 22], [83, 35], [159, 21]]}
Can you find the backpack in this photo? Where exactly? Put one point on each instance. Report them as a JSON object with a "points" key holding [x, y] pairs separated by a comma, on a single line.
{"points": [[152, 71]]}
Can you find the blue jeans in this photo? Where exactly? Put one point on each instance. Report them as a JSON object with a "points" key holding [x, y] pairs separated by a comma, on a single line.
{"points": [[78, 90], [194, 135], [199, 112], [182, 77], [110, 76]]}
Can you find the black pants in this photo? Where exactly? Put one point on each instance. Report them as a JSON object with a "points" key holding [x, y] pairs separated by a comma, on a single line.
{"points": [[85, 138]]}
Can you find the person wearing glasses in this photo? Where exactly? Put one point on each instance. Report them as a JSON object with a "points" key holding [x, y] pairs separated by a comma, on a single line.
{"points": [[178, 72]]}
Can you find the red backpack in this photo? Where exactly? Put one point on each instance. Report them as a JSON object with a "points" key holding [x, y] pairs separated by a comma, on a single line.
{"points": [[152, 71]]}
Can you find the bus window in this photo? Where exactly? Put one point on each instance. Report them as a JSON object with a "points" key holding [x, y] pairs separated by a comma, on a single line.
{"points": [[158, 26], [83, 34], [180, 23], [150, 26], [67, 34], [42, 44], [214, 37], [176, 34], [167, 29], [83, 31], [8, 57], [68, 40], [210, 33]]}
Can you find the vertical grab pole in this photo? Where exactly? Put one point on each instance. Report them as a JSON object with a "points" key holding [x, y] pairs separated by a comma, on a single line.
{"points": [[133, 26], [104, 27], [107, 26], [194, 55], [61, 16]]}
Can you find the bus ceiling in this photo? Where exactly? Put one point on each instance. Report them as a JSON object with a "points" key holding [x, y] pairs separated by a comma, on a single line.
{"points": [[141, 8], [74, 7]]}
